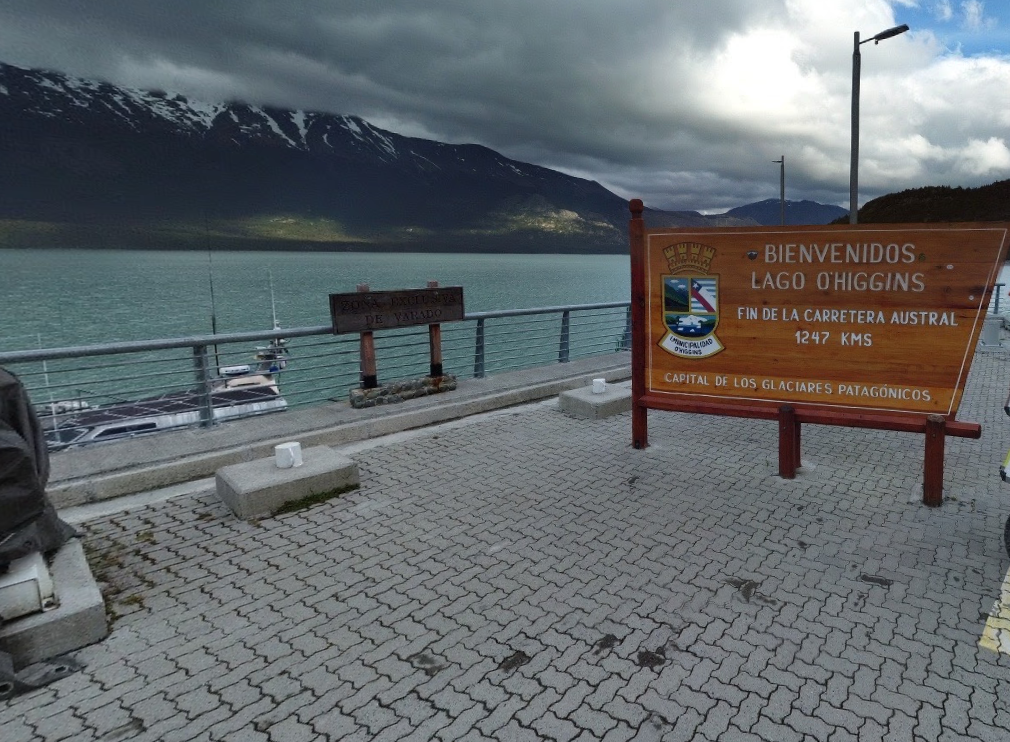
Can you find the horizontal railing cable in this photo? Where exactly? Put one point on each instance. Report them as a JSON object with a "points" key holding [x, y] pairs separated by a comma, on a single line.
{"points": [[320, 366]]}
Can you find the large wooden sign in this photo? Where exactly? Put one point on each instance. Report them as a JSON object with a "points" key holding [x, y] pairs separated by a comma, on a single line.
{"points": [[867, 326], [882, 317], [385, 310]]}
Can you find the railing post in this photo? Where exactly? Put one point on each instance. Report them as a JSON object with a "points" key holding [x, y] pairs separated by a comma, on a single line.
{"points": [[626, 338], [995, 309], [478, 351], [563, 346], [201, 364]]}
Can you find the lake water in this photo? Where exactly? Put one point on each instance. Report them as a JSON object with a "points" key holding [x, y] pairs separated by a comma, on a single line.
{"points": [[56, 298], [59, 298]]}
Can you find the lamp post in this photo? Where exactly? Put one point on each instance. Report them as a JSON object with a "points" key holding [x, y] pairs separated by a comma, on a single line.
{"points": [[782, 189], [854, 164]]}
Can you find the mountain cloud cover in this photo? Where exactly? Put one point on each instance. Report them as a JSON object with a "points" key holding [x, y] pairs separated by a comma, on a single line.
{"points": [[682, 104]]}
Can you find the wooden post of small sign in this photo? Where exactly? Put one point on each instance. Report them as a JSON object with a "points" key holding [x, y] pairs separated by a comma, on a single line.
{"points": [[932, 467], [639, 412], [435, 342], [369, 376]]}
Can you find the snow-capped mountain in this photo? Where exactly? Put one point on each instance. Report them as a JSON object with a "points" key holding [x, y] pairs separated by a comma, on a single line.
{"points": [[92, 164], [101, 106]]}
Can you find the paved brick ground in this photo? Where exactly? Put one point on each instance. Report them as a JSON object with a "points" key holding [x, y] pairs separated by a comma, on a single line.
{"points": [[529, 576]]}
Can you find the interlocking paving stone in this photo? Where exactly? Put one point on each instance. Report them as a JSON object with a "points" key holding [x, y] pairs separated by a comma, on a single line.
{"points": [[526, 576]]}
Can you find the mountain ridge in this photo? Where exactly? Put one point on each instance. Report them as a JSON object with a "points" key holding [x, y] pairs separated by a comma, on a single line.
{"points": [[769, 212], [987, 203], [91, 161]]}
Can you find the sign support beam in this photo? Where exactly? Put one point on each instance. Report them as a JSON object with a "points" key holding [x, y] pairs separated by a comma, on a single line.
{"points": [[932, 465], [789, 442], [639, 411]]}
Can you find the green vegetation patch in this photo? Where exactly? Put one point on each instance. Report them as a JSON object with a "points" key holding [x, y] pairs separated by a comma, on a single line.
{"points": [[16, 230], [314, 499], [536, 215], [284, 227], [272, 231]]}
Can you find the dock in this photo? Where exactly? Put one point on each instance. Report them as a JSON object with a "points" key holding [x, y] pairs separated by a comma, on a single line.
{"points": [[507, 571]]}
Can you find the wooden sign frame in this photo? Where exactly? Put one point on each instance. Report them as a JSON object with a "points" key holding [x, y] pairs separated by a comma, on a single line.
{"points": [[679, 335], [366, 311]]}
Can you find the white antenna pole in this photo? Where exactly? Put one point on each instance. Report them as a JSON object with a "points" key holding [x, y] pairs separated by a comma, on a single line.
{"points": [[45, 376], [213, 304], [273, 305]]}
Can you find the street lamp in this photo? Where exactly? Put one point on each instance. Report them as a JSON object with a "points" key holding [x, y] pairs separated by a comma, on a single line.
{"points": [[854, 164], [782, 189]]}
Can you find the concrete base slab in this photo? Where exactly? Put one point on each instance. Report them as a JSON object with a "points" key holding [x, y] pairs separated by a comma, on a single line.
{"points": [[258, 488], [78, 620], [585, 404], [398, 391]]}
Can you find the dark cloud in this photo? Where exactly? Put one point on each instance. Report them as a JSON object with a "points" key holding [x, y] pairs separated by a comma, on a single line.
{"points": [[683, 103]]}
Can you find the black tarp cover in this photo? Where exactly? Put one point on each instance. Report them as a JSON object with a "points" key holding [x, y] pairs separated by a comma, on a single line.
{"points": [[28, 521]]}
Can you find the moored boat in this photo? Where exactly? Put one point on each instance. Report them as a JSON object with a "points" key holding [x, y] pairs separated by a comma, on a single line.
{"points": [[237, 392]]}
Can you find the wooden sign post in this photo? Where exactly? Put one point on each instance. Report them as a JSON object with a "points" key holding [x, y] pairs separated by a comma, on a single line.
{"points": [[435, 341], [865, 326], [369, 374]]}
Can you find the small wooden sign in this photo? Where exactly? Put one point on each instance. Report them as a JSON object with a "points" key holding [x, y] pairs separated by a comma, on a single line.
{"points": [[857, 318], [386, 310]]}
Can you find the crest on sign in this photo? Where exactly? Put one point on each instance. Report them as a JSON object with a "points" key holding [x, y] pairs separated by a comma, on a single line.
{"points": [[690, 301]]}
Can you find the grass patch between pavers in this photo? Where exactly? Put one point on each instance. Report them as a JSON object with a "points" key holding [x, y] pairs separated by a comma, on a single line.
{"points": [[106, 562], [314, 499], [117, 571]]}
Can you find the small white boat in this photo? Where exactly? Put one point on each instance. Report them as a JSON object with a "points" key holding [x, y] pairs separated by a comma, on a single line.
{"points": [[237, 392]]}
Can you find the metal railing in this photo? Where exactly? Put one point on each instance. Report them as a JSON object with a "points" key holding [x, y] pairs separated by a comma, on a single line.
{"points": [[66, 383]]}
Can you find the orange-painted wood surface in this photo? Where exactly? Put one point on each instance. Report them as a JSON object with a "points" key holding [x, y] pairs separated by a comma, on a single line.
{"points": [[851, 318]]}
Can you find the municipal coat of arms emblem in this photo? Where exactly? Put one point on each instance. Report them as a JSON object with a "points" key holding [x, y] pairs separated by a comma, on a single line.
{"points": [[690, 301]]}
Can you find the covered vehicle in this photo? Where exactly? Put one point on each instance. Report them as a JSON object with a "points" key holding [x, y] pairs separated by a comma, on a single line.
{"points": [[28, 520]]}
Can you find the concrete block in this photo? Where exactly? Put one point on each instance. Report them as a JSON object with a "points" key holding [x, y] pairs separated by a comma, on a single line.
{"points": [[583, 403], [257, 488], [78, 620], [991, 327]]}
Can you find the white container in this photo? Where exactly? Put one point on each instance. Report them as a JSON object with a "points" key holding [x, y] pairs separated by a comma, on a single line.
{"points": [[288, 455], [26, 587], [599, 386]]}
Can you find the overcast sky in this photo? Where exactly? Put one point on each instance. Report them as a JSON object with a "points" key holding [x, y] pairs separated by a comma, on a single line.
{"points": [[684, 103]]}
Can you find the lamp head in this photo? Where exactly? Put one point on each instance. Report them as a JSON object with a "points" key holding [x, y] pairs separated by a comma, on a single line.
{"points": [[890, 32]]}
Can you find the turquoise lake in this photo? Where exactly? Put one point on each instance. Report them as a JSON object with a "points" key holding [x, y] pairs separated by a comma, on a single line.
{"points": [[58, 298]]}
